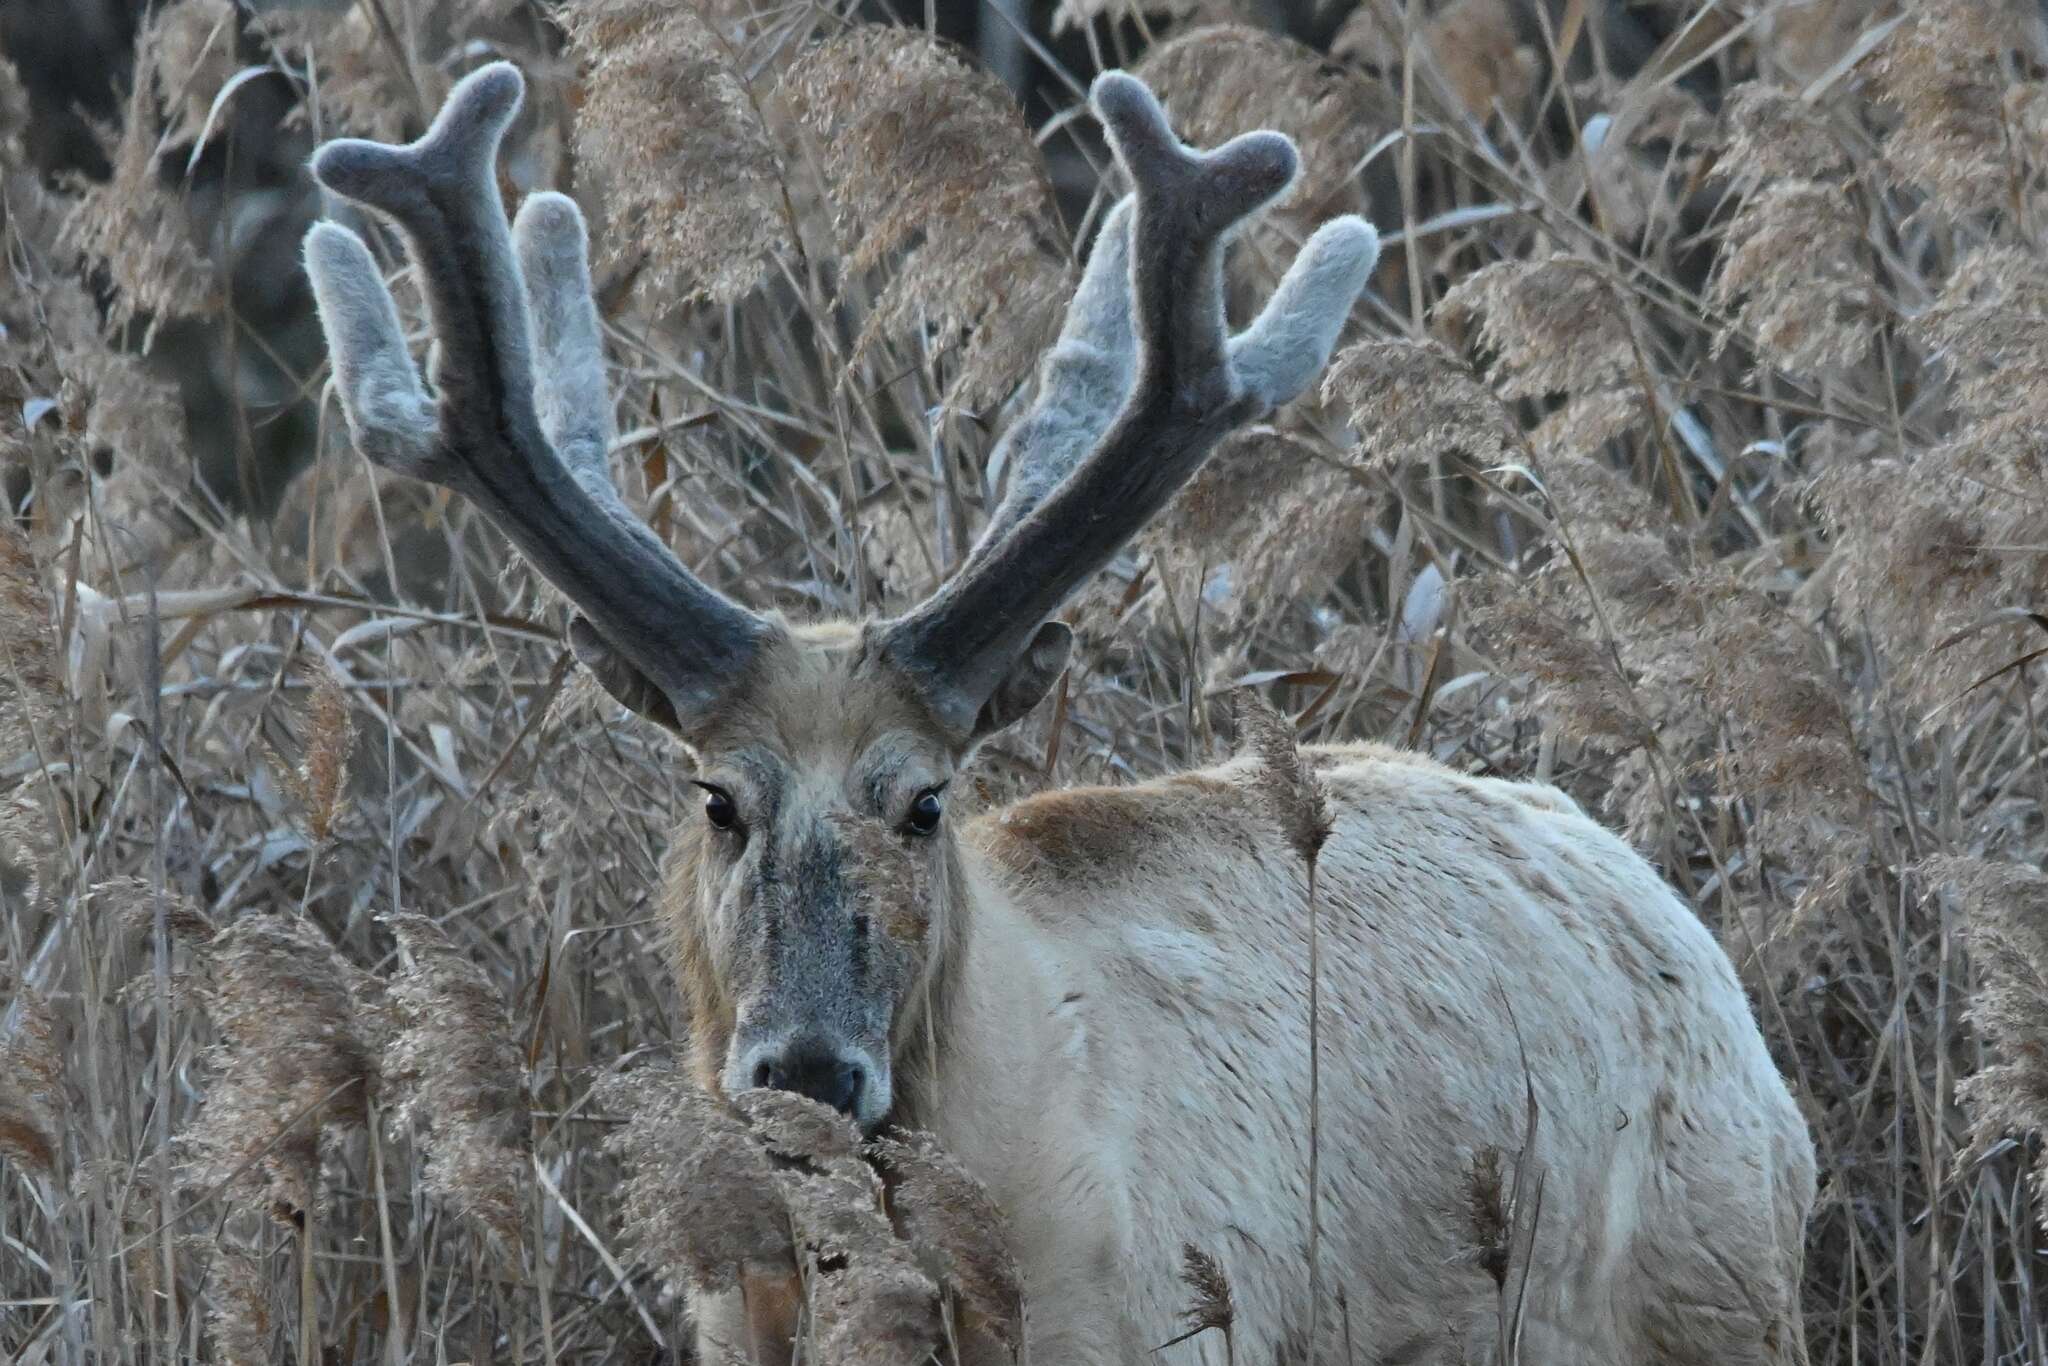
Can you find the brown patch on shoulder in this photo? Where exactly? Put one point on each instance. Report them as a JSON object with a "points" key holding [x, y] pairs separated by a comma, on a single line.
{"points": [[1059, 831], [1086, 831]]}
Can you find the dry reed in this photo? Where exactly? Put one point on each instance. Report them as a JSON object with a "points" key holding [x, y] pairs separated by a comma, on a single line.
{"points": [[1686, 460]]}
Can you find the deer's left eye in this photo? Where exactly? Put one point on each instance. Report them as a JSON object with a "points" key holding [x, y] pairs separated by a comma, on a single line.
{"points": [[924, 813], [719, 809]]}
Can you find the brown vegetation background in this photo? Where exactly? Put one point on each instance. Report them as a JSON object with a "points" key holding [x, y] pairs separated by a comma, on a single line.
{"points": [[1687, 452]]}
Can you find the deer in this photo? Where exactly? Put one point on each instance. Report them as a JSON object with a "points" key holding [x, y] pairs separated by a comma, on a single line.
{"points": [[1096, 998]]}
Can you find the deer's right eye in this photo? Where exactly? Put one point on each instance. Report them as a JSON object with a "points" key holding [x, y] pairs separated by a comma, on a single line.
{"points": [[719, 808]]}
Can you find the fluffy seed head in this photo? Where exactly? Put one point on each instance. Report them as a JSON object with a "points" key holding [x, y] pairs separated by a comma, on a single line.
{"points": [[129, 225], [1795, 273], [2006, 910], [290, 1066], [31, 1086], [1211, 1305], [959, 1235], [1411, 401], [661, 90], [1300, 799], [927, 157], [1552, 326], [699, 1202], [455, 1066]]}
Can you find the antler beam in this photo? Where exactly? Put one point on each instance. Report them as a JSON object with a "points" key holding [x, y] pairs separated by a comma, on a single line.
{"points": [[528, 444], [1143, 384]]}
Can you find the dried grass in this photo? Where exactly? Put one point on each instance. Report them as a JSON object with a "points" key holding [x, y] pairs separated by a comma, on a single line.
{"points": [[1943, 73], [1692, 471], [1551, 326], [1210, 1305], [1795, 278], [239, 1318], [32, 1087], [2007, 909], [452, 1063], [700, 1204], [1277, 513], [923, 153], [662, 89], [131, 225], [290, 1068], [318, 780], [1414, 401], [32, 691], [1300, 802], [958, 1233]]}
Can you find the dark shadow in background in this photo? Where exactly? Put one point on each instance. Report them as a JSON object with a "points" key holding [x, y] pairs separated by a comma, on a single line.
{"points": [[248, 427]]}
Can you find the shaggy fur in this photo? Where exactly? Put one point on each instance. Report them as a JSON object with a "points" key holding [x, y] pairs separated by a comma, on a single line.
{"points": [[1119, 1008], [1099, 1001]]}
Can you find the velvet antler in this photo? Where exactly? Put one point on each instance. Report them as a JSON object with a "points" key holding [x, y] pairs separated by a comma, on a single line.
{"points": [[1143, 383], [521, 423]]}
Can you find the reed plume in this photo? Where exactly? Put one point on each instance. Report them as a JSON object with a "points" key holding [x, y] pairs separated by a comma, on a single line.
{"points": [[453, 1065], [699, 1203], [661, 87], [958, 1233], [130, 225], [31, 680], [319, 780], [1211, 1308], [2006, 910], [870, 1303], [1943, 73], [1550, 326], [1795, 277], [32, 1086], [1411, 401], [290, 1068], [927, 160], [239, 1318]]}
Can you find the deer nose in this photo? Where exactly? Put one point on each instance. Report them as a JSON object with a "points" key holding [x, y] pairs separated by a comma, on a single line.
{"points": [[810, 1069]]}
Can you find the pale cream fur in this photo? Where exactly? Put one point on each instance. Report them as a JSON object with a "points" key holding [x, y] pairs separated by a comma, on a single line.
{"points": [[1123, 1059], [1113, 984]]}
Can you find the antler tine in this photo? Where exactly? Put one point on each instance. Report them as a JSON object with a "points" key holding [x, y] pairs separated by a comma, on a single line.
{"points": [[1187, 203], [573, 399], [532, 454], [1081, 384], [1143, 383]]}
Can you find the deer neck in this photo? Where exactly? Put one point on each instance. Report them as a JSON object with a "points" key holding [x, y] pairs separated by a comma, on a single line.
{"points": [[1002, 1048]]}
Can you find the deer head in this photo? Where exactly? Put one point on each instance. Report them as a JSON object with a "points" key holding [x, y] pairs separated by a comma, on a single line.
{"points": [[821, 878]]}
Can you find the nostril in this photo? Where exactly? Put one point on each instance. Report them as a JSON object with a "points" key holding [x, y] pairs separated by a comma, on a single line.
{"points": [[839, 1087], [816, 1073]]}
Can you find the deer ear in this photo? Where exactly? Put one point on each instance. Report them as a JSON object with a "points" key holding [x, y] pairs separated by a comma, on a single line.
{"points": [[629, 687], [1029, 678]]}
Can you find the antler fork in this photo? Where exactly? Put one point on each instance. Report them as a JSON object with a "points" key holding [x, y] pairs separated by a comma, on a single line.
{"points": [[1143, 384], [527, 443]]}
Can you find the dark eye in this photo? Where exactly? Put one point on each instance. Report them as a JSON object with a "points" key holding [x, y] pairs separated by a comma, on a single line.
{"points": [[718, 807], [924, 813]]}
